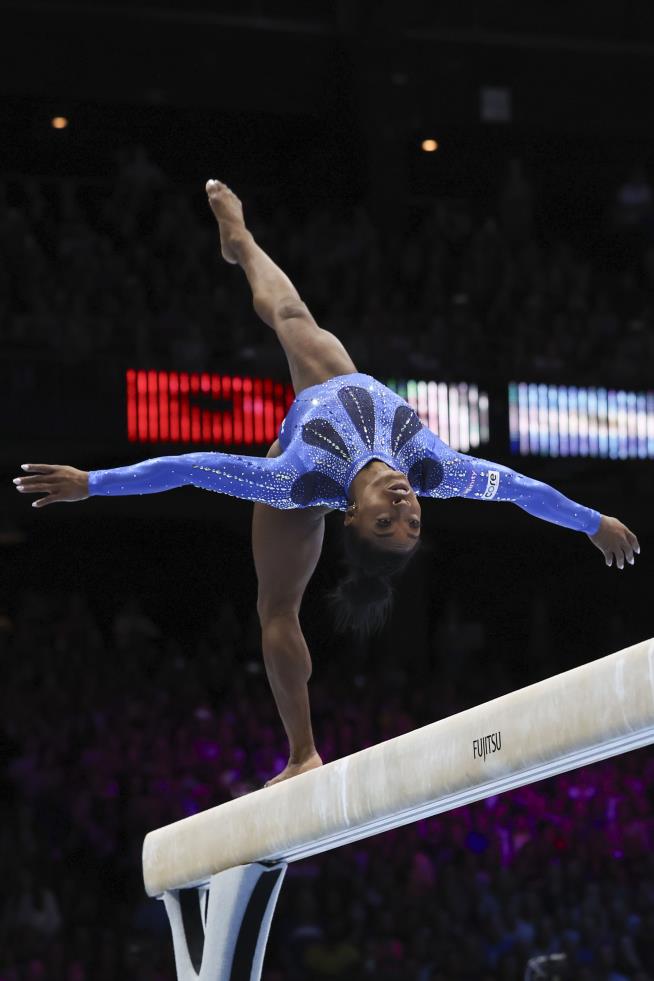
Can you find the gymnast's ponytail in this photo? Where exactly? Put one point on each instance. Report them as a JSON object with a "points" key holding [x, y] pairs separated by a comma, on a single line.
{"points": [[363, 599]]}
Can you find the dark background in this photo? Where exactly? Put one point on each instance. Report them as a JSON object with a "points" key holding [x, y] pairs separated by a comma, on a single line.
{"points": [[302, 107]]}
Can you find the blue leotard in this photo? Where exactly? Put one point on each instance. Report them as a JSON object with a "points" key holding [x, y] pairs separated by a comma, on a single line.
{"points": [[331, 431]]}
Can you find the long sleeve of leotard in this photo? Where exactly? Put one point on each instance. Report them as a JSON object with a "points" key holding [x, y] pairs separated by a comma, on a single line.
{"points": [[478, 479], [252, 478]]}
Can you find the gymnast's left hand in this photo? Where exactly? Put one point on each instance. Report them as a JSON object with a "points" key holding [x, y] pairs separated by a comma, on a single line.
{"points": [[615, 540], [58, 483]]}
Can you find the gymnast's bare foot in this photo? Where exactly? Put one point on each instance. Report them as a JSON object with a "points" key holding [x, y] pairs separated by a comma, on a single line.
{"points": [[311, 762], [229, 213]]}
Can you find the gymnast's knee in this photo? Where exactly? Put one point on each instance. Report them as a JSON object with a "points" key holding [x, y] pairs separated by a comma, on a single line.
{"points": [[276, 620], [283, 645], [277, 312], [292, 312], [290, 307]]}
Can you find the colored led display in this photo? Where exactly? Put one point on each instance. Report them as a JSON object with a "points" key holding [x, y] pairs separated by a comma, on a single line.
{"points": [[564, 420], [458, 413]]}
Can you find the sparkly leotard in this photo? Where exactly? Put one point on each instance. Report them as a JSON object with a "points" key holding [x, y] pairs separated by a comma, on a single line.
{"points": [[331, 431]]}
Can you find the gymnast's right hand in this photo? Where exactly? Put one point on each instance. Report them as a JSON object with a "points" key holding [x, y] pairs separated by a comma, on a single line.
{"points": [[614, 539], [58, 483]]}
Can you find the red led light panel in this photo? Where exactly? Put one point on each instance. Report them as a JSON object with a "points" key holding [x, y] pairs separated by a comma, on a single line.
{"points": [[199, 407]]}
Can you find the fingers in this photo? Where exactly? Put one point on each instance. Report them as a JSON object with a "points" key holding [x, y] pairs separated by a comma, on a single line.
{"points": [[33, 485], [633, 541], [46, 479], [39, 467], [41, 503], [630, 546], [40, 483], [620, 546], [619, 555]]}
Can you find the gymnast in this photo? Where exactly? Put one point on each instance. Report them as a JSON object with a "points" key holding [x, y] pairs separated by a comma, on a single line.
{"points": [[348, 443]]}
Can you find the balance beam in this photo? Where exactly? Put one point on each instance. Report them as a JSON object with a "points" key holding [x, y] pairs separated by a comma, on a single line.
{"points": [[584, 715]]}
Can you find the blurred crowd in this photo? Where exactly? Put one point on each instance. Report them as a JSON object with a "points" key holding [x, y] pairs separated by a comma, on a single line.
{"points": [[130, 269], [112, 727]]}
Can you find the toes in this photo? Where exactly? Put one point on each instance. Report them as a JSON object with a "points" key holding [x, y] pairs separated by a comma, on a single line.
{"points": [[218, 186]]}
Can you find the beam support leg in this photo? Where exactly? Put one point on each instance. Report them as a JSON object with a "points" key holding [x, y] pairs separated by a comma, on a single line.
{"points": [[220, 930]]}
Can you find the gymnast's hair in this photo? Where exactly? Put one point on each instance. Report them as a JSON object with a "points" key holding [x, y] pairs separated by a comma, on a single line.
{"points": [[363, 599]]}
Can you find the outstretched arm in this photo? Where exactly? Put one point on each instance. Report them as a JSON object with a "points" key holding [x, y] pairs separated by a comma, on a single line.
{"points": [[482, 480], [487, 481], [248, 477], [492, 481]]}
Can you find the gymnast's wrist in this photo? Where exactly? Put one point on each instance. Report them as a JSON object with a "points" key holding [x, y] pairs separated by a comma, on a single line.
{"points": [[600, 524], [92, 479]]}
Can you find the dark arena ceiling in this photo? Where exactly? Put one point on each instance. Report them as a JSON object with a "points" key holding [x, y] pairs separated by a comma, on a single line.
{"points": [[204, 52]]}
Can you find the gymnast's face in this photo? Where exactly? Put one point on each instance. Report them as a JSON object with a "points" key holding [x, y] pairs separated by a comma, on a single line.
{"points": [[386, 512]]}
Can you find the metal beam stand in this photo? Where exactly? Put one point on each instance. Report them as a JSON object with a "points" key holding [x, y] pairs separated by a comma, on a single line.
{"points": [[220, 930]]}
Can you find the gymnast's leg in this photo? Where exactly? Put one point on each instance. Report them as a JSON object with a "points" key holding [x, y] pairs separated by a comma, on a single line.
{"points": [[286, 546], [314, 355]]}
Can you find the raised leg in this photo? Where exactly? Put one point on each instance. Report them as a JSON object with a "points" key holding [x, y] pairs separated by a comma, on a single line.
{"points": [[313, 354]]}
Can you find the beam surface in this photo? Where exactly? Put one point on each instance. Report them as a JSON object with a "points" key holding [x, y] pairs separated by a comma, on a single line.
{"points": [[587, 714]]}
